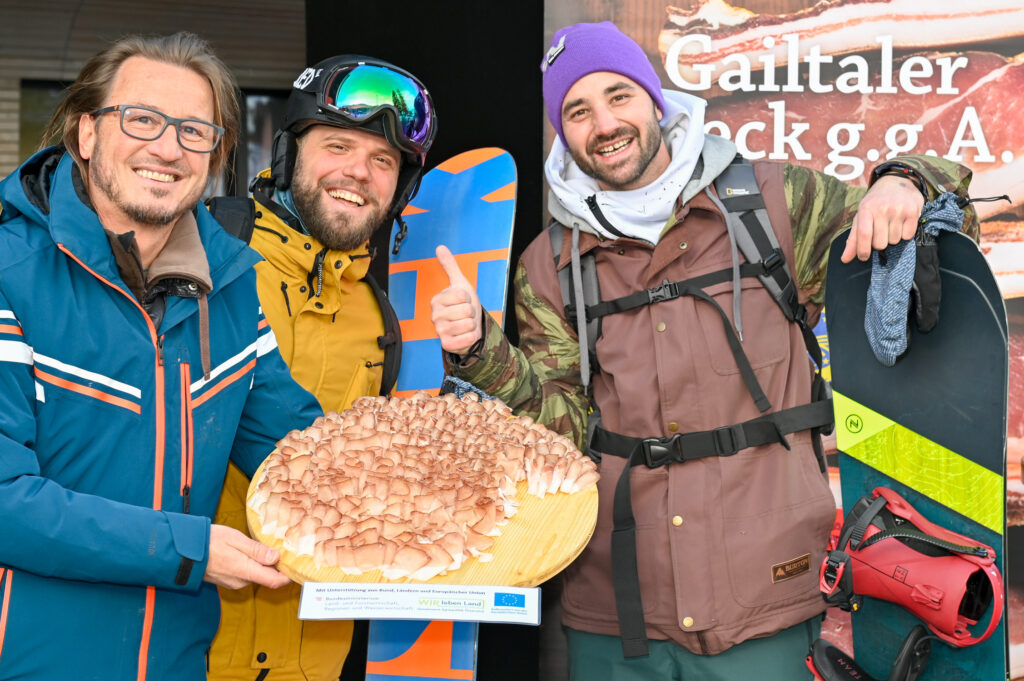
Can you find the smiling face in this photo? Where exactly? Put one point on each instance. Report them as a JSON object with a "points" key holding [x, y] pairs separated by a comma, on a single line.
{"points": [[343, 185], [611, 127], [135, 184]]}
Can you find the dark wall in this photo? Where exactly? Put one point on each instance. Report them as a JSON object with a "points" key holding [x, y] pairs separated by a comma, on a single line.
{"points": [[479, 59], [481, 62]]}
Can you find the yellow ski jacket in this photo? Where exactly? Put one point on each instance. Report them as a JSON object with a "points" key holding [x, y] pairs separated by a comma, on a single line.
{"points": [[327, 322]]}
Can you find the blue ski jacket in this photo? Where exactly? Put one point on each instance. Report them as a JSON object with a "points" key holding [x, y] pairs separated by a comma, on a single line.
{"points": [[113, 442]]}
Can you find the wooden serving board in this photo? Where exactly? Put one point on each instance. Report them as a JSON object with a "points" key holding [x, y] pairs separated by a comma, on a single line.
{"points": [[537, 543]]}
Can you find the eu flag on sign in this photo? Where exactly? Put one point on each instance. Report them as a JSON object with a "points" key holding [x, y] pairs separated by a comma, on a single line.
{"points": [[507, 600]]}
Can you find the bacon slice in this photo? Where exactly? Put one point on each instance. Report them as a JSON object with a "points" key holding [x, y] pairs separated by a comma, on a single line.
{"points": [[985, 85], [835, 26], [354, 494]]}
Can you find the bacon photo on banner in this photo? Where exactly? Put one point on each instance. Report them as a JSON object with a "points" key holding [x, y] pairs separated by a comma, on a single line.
{"points": [[840, 86]]}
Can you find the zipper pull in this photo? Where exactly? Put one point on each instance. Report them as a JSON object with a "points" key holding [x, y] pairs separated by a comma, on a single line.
{"points": [[287, 304], [319, 265], [186, 499], [160, 350]]}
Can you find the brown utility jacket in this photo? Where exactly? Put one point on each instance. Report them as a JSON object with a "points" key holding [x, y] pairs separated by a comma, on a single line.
{"points": [[728, 547]]}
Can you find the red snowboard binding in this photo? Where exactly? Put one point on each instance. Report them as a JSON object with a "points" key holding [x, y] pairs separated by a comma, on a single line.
{"points": [[890, 551], [829, 663]]}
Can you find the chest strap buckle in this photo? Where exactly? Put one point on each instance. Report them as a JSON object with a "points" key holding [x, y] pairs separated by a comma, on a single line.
{"points": [[665, 291], [658, 452]]}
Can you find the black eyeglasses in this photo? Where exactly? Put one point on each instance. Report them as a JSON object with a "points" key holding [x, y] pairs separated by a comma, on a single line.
{"points": [[147, 124]]}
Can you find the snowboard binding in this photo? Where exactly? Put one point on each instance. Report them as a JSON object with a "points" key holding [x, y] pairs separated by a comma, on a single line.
{"points": [[829, 663], [890, 551]]}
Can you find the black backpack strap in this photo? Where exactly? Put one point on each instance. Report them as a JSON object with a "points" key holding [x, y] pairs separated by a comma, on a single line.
{"points": [[236, 214], [667, 290], [744, 206], [739, 193], [391, 341]]}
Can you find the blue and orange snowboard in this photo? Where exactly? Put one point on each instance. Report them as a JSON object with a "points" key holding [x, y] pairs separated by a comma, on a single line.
{"points": [[468, 204]]}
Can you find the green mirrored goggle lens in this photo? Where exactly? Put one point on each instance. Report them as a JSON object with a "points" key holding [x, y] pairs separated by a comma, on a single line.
{"points": [[362, 91]]}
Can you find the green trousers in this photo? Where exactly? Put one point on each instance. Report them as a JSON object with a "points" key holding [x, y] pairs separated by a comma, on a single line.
{"points": [[594, 657]]}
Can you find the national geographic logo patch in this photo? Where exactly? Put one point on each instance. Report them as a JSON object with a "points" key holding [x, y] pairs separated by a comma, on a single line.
{"points": [[791, 568]]}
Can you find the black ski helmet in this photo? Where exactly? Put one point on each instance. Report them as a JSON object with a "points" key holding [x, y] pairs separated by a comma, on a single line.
{"points": [[310, 103]]}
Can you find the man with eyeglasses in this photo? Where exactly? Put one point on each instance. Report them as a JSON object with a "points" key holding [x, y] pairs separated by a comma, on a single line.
{"points": [[134, 361], [347, 159]]}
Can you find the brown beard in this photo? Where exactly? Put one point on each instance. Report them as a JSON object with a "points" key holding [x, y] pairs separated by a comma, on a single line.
{"points": [[338, 233], [648, 150], [143, 215]]}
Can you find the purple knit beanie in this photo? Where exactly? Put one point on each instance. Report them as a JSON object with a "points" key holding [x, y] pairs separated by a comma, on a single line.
{"points": [[582, 49]]}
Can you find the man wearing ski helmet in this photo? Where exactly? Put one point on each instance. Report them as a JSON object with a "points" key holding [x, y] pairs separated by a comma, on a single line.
{"points": [[347, 159]]}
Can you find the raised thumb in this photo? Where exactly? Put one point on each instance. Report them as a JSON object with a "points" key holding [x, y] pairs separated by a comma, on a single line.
{"points": [[451, 268]]}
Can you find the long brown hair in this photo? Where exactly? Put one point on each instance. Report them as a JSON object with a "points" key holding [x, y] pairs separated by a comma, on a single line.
{"points": [[184, 49]]}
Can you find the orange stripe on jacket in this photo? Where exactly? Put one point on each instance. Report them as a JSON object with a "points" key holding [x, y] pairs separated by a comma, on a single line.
{"points": [[184, 425], [85, 390], [225, 383], [147, 630], [158, 470], [3, 606], [158, 473], [11, 328], [158, 493]]}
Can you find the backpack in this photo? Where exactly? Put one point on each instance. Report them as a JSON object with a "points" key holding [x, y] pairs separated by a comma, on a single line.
{"points": [[740, 201], [237, 215], [747, 221]]}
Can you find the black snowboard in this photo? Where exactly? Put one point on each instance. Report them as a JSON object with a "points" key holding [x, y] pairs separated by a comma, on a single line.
{"points": [[933, 428]]}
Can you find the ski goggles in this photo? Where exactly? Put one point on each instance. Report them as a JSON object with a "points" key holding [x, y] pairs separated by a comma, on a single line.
{"points": [[360, 92]]}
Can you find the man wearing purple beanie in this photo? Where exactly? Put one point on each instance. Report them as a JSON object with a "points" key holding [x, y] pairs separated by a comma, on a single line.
{"points": [[697, 397]]}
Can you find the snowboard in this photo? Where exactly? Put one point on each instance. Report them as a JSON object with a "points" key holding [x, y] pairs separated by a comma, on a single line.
{"points": [[932, 428], [466, 203]]}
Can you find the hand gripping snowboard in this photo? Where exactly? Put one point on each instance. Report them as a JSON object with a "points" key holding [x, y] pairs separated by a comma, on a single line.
{"points": [[468, 204], [933, 429]]}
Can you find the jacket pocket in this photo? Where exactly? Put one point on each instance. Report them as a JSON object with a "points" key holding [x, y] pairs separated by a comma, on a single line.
{"points": [[215, 408], [365, 380], [759, 311], [775, 540], [60, 413]]}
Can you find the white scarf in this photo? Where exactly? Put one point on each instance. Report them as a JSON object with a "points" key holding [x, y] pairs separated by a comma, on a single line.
{"points": [[638, 213]]}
